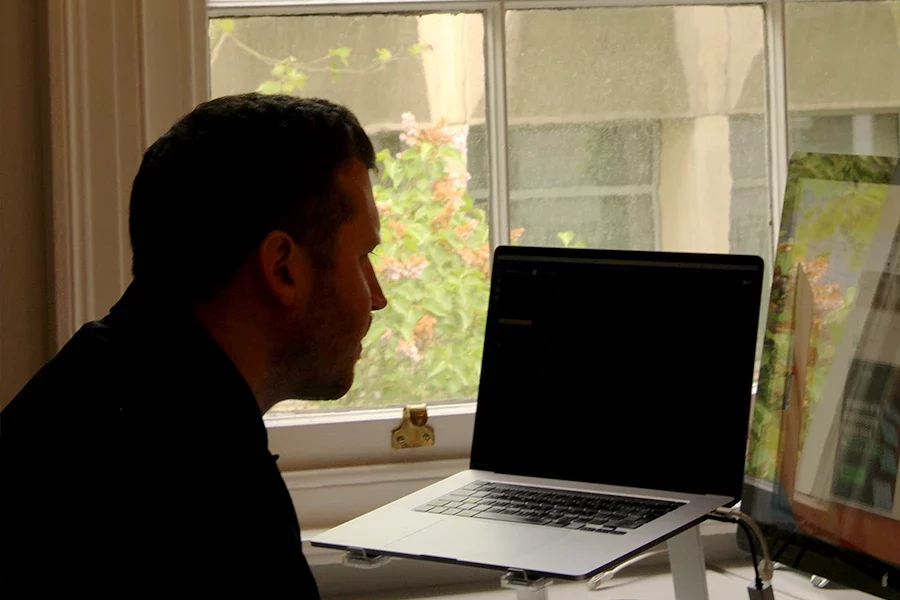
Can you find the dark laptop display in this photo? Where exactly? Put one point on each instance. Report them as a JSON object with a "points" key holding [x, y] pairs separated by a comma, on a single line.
{"points": [[596, 363]]}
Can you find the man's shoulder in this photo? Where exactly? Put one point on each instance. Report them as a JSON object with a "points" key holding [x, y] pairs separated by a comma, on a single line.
{"points": [[94, 366]]}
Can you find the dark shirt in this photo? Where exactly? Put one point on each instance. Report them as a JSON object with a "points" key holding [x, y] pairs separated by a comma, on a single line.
{"points": [[137, 460]]}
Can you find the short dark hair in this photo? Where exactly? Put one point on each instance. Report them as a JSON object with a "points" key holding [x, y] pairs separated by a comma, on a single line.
{"points": [[230, 172]]}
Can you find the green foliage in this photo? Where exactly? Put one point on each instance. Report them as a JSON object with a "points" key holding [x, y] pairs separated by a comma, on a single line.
{"points": [[342, 53], [290, 75], [417, 49], [569, 240], [433, 265]]}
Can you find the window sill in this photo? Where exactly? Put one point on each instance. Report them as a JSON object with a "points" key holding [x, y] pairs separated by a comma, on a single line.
{"points": [[347, 439]]}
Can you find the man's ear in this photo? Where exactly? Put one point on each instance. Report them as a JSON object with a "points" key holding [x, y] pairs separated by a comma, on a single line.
{"points": [[286, 268]]}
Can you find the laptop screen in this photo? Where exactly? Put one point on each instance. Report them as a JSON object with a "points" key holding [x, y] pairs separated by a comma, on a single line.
{"points": [[619, 368]]}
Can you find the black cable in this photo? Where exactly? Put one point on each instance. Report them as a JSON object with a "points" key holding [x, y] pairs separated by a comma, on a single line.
{"points": [[749, 534]]}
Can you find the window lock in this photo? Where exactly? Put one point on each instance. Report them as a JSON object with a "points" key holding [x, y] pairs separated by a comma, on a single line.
{"points": [[413, 431]]}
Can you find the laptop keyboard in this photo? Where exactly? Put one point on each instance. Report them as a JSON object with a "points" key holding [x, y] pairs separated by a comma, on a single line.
{"points": [[604, 513]]}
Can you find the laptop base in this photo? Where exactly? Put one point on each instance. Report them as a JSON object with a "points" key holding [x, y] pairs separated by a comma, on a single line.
{"points": [[686, 560]]}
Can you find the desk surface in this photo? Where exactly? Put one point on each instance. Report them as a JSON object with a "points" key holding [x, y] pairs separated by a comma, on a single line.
{"points": [[726, 582]]}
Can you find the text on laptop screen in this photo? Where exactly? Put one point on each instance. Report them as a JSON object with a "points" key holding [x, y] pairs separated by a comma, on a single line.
{"points": [[620, 368]]}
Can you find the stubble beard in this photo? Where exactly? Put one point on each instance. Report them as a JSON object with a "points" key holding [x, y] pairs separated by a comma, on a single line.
{"points": [[311, 364]]}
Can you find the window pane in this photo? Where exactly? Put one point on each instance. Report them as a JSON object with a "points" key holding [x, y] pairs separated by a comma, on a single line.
{"points": [[417, 85], [639, 128], [842, 90]]}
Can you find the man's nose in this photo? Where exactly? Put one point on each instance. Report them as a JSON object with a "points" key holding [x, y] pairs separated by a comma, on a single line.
{"points": [[378, 299]]}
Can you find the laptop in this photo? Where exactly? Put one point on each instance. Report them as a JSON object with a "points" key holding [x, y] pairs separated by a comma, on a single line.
{"points": [[612, 414]]}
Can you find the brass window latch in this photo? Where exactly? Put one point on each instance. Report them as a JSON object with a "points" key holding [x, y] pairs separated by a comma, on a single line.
{"points": [[413, 431]]}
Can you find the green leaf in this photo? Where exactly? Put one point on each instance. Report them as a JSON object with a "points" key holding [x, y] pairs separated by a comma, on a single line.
{"points": [[334, 72], [299, 79], [279, 70], [384, 54], [418, 49], [408, 324], [269, 87], [566, 237], [437, 370], [287, 87], [343, 53], [452, 153], [466, 318], [227, 25]]}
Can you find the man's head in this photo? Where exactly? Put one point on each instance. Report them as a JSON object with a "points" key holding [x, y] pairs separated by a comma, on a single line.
{"points": [[261, 206]]}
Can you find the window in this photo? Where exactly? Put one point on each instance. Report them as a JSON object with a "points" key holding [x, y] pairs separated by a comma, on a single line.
{"points": [[639, 127], [416, 82], [842, 94]]}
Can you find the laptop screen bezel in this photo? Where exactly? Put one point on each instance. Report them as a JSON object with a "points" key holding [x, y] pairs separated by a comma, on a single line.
{"points": [[517, 255]]}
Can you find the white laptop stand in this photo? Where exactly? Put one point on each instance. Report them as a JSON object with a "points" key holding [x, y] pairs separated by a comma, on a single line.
{"points": [[685, 558]]}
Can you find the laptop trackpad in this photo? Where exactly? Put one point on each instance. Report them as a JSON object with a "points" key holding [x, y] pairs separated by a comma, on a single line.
{"points": [[472, 538]]}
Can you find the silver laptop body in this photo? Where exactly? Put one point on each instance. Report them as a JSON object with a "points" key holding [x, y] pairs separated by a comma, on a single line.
{"points": [[612, 414]]}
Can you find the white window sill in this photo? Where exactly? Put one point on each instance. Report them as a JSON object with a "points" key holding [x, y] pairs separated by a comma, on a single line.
{"points": [[327, 440]]}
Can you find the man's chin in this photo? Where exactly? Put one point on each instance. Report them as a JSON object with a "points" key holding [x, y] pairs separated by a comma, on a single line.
{"points": [[330, 390]]}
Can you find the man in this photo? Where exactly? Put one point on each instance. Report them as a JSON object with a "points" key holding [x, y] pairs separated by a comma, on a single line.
{"points": [[137, 458]]}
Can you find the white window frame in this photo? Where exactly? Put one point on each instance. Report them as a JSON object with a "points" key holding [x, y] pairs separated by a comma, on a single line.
{"points": [[122, 71]]}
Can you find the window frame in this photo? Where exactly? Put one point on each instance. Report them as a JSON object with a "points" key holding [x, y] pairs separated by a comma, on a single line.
{"points": [[371, 424], [101, 120]]}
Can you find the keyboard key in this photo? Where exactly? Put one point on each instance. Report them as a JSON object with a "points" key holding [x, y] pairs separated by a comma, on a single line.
{"points": [[455, 496], [513, 518], [423, 508], [559, 508], [437, 509], [574, 525], [451, 511], [557, 523], [468, 513]]}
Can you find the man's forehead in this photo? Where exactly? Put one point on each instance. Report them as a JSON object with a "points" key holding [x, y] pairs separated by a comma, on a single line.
{"points": [[354, 179]]}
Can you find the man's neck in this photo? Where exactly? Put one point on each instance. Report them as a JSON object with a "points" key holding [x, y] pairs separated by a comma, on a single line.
{"points": [[232, 328]]}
